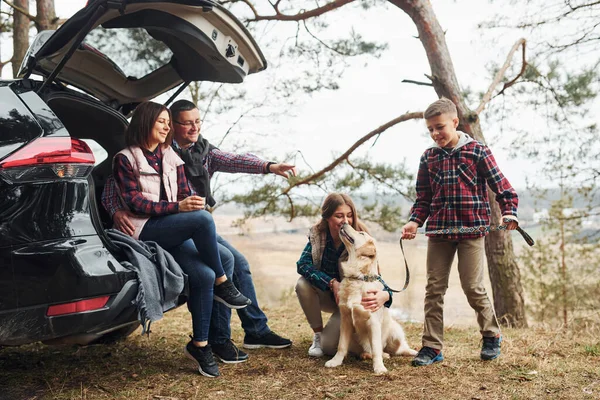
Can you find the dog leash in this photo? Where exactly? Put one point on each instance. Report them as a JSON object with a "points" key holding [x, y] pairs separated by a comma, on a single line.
{"points": [[475, 229], [459, 230]]}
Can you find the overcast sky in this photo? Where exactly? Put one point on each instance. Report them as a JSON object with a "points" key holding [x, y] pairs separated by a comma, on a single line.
{"points": [[328, 122]]}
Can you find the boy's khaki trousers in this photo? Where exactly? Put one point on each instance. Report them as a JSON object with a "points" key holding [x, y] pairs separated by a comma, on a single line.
{"points": [[440, 254]]}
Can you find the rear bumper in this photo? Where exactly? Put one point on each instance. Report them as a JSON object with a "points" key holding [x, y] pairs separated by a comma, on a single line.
{"points": [[31, 324]]}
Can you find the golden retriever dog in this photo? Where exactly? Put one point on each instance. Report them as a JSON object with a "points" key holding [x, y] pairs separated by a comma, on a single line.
{"points": [[376, 332]]}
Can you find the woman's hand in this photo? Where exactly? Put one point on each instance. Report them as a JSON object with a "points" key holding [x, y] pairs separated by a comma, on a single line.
{"points": [[191, 203], [374, 299]]}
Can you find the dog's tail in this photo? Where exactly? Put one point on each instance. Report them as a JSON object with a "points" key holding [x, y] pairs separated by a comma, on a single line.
{"points": [[399, 315]]}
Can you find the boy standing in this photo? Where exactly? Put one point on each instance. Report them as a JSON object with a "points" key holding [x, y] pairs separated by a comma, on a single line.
{"points": [[452, 193]]}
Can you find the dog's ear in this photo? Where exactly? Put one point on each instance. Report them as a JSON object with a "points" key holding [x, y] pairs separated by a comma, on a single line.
{"points": [[368, 250]]}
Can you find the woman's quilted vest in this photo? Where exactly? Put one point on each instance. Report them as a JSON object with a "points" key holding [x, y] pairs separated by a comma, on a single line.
{"points": [[149, 180]]}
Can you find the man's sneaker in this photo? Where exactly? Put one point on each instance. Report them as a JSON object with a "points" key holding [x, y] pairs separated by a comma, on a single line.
{"points": [[203, 356], [270, 340], [229, 353], [427, 356], [228, 294], [491, 347], [315, 349]]}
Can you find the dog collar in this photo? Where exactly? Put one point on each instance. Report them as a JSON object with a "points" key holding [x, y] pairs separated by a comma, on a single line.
{"points": [[366, 278]]}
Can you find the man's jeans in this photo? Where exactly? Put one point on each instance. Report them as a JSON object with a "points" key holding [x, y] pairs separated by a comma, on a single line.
{"points": [[254, 320], [172, 232]]}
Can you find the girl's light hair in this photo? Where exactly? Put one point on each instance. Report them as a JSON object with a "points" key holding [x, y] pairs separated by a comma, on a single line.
{"points": [[439, 107], [331, 203]]}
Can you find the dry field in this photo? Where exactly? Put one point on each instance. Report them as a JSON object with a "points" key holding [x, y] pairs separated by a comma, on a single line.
{"points": [[535, 363]]}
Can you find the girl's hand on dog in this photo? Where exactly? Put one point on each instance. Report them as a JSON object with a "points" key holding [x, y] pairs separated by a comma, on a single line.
{"points": [[335, 288], [374, 300]]}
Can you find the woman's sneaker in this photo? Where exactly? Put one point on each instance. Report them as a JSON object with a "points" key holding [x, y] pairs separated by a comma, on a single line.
{"points": [[427, 356], [315, 349], [203, 356], [228, 294]]}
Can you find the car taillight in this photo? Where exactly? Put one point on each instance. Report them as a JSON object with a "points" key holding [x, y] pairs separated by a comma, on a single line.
{"points": [[77, 306], [49, 158]]}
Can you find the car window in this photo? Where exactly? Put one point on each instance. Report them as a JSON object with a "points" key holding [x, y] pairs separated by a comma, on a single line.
{"points": [[132, 50], [17, 125]]}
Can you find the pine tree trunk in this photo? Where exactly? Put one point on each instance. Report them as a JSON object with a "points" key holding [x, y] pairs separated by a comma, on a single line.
{"points": [[20, 35], [46, 15], [504, 271]]}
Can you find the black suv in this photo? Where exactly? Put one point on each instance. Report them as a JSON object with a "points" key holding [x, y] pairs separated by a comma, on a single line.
{"points": [[60, 277]]}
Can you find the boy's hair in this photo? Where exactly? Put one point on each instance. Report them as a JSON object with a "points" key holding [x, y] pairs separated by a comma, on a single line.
{"points": [[439, 107]]}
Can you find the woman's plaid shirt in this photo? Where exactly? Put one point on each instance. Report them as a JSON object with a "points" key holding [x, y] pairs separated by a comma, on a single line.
{"points": [[452, 192]]}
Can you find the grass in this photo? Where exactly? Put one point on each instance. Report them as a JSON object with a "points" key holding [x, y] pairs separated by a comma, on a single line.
{"points": [[535, 364]]}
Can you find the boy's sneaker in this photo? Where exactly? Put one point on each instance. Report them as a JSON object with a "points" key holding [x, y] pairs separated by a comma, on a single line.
{"points": [[228, 294], [270, 340], [229, 353], [427, 356], [315, 349], [203, 356], [491, 347]]}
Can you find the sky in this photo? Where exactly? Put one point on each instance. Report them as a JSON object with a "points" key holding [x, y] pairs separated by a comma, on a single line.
{"points": [[371, 91]]}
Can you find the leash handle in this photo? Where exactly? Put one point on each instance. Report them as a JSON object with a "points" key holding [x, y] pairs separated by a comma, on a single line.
{"points": [[407, 280]]}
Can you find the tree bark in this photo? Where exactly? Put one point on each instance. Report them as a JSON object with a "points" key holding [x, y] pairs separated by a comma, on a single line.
{"points": [[46, 15], [20, 35], [504, 271]]}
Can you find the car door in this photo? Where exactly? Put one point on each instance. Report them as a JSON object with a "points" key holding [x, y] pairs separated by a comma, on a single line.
{"points": [[206, 43]]}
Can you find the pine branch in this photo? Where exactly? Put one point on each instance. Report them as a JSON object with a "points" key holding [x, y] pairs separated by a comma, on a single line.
{"points": [[500, 75], [347, 153], [302, 15], [21, 10]]}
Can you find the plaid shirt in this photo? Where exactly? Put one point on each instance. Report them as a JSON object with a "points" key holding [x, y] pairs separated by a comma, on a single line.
{"points": [[452, 192], [320, 278], [216, 160], [128, 184], [222, 161]]}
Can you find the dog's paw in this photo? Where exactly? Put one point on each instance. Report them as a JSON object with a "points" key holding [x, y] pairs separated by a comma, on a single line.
{"points": [[380, 370], [333, 363], [386, 356], [366, 356]]}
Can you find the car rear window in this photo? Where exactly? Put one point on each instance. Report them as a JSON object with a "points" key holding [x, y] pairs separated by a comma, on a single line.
{"points": [[132, 50], [17, 125]]}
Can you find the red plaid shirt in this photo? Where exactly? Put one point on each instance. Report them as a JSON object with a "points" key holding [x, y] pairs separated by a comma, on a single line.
{"points": [[130, 189], [452, 192]]}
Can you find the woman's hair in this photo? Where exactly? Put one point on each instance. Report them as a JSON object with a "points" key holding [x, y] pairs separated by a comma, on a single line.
{"points": [[142, 122], [331, 203]]}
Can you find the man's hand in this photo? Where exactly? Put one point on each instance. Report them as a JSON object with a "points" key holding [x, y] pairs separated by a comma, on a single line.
{"points": [[122, 222], [409, 231], [191, 203], [374, 300], [282, 169]]}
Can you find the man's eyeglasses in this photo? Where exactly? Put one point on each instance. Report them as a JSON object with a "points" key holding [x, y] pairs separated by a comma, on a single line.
{"points": [[188, 124]]}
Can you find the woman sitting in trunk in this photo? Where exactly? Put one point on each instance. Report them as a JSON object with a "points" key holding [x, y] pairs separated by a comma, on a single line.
{"points": [[151, 180]]}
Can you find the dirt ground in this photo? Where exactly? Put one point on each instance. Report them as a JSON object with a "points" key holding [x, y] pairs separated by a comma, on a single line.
{"points": [[273, 256]]}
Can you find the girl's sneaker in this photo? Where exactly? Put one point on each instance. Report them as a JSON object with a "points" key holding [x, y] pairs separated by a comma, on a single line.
{"points": [[315, 348]]}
